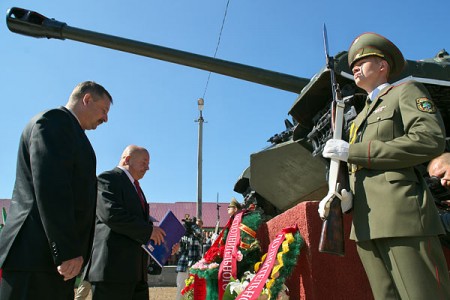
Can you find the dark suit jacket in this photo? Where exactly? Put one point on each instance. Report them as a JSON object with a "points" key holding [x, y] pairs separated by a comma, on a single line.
{"points": [[52, 212], [121, 228]]}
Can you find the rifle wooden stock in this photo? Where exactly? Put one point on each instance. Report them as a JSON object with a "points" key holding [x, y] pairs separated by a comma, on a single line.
{"points": [[332, 235]]}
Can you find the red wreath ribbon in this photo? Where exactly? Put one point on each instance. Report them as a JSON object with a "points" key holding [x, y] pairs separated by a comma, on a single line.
{"points": [[228, 268], [199, 288], [254, 288]]}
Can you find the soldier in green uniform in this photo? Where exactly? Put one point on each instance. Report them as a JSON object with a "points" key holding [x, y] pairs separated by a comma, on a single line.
{"points": [[395, 221]]}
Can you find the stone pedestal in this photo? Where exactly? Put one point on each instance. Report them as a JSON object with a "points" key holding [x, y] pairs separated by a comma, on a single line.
{"points": [[319, 276]]}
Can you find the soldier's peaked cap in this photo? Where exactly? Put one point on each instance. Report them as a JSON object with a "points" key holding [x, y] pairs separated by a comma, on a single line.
{"points": [[235, 203], [373, 44]]}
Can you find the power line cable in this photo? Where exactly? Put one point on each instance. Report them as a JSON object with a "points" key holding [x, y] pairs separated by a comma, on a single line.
{"points": [[217, 46]]}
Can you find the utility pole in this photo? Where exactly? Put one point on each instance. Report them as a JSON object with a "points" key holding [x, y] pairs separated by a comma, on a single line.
{"points": [[200, 121]]}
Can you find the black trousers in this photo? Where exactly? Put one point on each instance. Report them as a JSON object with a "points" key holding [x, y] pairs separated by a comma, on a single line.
{"points": [[18, 285], [119, 291]]}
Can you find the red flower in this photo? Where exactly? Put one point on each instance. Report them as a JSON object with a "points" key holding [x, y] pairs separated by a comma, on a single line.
{"points": [[187, 289], [214, 254]]}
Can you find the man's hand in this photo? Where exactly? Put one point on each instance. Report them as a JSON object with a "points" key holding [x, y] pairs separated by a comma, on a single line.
{"points": [[440, 167], [70, 268], [336, 149], [175, 248], [158, 235]]}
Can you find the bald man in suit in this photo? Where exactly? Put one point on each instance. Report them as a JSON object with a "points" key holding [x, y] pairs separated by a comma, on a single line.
{"points": [[48, 235], [118, 267]]}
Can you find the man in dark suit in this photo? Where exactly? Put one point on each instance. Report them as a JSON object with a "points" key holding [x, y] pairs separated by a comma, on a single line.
{"points": [[48, 236], [118, 266]]}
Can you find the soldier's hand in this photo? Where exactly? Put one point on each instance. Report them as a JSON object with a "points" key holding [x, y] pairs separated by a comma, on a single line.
{"points": [[345, 197], [70, 268], [158, 235], [346, 201], [324, 205], [336, 149]]}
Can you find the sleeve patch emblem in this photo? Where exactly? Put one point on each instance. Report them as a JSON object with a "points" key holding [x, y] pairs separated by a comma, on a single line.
{"points": [[425, 105]]}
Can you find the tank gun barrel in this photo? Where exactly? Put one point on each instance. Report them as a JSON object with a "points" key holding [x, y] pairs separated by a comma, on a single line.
{"points": [[33, 24]]}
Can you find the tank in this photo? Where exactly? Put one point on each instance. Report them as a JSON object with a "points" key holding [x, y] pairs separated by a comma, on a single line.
{"points": [[290, 169]]}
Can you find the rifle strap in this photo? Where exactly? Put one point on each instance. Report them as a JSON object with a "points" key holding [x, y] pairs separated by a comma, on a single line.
{"points": [[335, 194]]}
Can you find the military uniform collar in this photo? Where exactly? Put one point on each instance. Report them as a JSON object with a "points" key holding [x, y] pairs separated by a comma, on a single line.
{"points": [[374, 94]]}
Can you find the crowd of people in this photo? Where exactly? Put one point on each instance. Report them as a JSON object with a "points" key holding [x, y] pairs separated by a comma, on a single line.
{"points": [[194, 244], [65, 221]]}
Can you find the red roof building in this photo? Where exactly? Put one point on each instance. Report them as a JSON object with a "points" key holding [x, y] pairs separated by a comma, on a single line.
{"points": [[5, 203], [180, 209]]}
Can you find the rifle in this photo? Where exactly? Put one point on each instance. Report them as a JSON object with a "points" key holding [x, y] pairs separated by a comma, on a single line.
{"points": [[332, 235], [216, 229]]}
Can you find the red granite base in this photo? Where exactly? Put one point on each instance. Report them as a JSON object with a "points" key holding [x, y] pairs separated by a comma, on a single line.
{"points": [[319, 276]]}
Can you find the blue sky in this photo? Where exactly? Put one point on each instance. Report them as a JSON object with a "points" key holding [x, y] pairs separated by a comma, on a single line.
{"points": [[155, 102]]}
